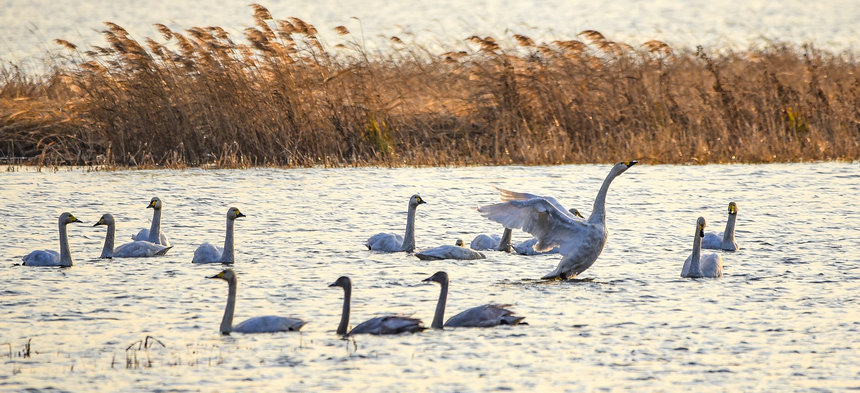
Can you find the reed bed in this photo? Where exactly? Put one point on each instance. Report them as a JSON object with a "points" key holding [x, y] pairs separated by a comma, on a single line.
{"points": [[281, 96]]}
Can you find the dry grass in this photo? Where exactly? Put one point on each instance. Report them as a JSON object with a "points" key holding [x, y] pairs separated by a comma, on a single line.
{"points": [[281, 96]]}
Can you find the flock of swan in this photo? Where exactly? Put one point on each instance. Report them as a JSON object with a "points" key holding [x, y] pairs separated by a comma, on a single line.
{"points": [[577, 239]]}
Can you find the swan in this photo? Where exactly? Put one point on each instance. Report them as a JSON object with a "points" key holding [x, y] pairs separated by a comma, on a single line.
{"points": [[528, 247], [726, 240], [390, 242], [707, 266], [209, 253], [484, 242], [138, 248], [153, 234], [580, 241], [457, 251], [481, 316], [51, 257], [265, 324], [390, 324]]}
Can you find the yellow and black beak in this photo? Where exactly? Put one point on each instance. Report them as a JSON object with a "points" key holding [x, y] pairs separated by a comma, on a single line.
{"points": [[73, 219], [630, 163], [151, 205], [239, 214], [219, 275], [101, 222], [421, 200]]}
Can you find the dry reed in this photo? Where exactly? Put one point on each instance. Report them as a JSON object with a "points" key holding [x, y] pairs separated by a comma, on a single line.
{"points": [[281, 96]]}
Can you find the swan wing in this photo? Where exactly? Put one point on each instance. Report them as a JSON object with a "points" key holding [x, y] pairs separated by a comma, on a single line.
{"points": [[269, 324], [207, 253], [484, 316], [712, 265], [139, 249], [528, 248], [685, 271], [507, 195], [449, 252], [712, 241], [388, 325], [387, 242], [543, 219], [42, 258], [485, 242], [143, 234]]}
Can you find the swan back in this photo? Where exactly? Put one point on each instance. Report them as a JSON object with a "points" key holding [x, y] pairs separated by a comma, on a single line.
{"points": [[450, 252], [485, 316], [390, 242]]}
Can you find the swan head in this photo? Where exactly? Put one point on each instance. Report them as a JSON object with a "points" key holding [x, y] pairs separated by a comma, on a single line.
{"points": [[416, 200], [155, 203], [620, 167], [343, 282], [700, 226], [440, 277], [234, 213], [459, 243], [226, 275], [68, 218], [733, 208], [575, 212], [106, 219]]}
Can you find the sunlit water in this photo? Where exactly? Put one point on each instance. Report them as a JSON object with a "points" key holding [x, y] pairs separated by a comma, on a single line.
{"points": [[784, 316]]}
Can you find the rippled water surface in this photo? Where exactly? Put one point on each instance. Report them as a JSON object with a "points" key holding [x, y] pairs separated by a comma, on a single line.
{"points": [[784, 316]]}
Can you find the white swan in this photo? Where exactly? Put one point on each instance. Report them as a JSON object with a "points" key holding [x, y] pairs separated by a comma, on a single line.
{"points": [[481, 316], [528, 247], [209, 253], [51, 257], [701, 266], [580, 241], [485, 242], [265, 324], [448, 251], [726, 239], [154, 233], [391, 242], [138, 248], [380, 325]]}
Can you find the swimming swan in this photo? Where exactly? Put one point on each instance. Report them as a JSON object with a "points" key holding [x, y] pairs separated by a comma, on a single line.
{"points": [[209, 253], [481, 316], [51, 257], [580, 241], [484, 242], [266, 324], [528, 247], [448, 251], [153, 234], [709, 266], [726, 240], [391, 242], [380, 325], [138, 248]]}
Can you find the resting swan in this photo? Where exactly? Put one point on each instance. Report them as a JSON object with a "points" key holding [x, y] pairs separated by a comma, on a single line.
{"points": [[266, 324], [580, 241], [380, 325], [484, 242], [701, 266], [153, 234], [481, 316], [209, 253], [528, 247], [138, 248], [447, 251], [726, 240], [391, 242], [51, 257]]}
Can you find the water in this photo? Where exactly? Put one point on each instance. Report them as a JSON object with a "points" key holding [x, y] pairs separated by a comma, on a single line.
{"points": [[784, 316]]}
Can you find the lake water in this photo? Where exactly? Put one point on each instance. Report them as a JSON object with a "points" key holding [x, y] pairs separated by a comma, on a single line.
{"points": [[784, 317]]}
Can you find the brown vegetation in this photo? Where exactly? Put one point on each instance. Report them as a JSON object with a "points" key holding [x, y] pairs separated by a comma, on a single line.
{"points": [[281, 96]]}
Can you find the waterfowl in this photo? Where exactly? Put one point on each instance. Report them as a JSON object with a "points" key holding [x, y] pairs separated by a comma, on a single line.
{"points": [[484, 242], [456, 251], [481, 316], [697, 265], [380, 325], [138, 248], [51, 257], [726, 239], [154, 233], [391, 242], [209, 253], [528, 247], [265, 324], [580, 241]]}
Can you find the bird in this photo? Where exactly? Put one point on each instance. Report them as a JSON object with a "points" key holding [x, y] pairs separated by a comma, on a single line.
{"points": [[265, 324], [154, 233], [485, 242], [580, 241], [391, 242], [528, 247], [481, 316], [390, 324], [726, 239], [456, 251], [137, 248], [209, 253], [51, 257], [696, 265]]}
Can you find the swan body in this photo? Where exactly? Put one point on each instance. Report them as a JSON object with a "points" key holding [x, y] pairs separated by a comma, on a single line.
{"points": [[481, 316], [390, 324], [265, 324], [485, 242], [448, 251], [391, 242], [697, 265], [51, 257], [154, 233], [137, 248], [726, 239], [580, 241], [209, 253], [528, 247]]}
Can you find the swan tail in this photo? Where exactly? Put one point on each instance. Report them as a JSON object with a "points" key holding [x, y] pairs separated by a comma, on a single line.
{"points": [[512, 320], [164, 251]]}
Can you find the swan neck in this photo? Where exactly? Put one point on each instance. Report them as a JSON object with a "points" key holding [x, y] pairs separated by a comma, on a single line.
{"points": [[598, 211], [439, 316], [227, 320], [65, 252], [729, 233], [227, 255], [344, 316], [409, 237], [155, 228], [695, 268], [505, 241], [107, 250]]}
